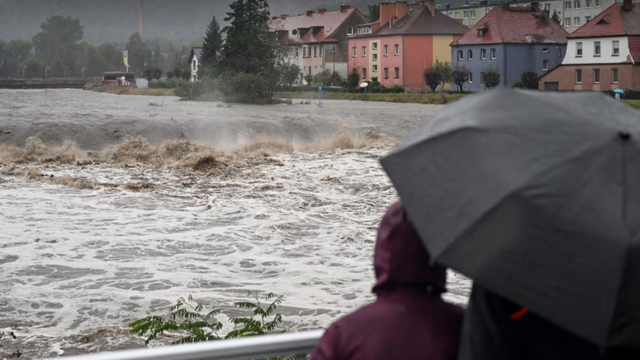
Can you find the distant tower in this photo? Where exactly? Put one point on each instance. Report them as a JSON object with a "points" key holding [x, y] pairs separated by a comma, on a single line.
{"points": [[141, 28]]}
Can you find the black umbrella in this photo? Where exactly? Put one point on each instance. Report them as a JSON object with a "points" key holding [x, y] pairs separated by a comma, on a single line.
{"points": [[536, 196]]}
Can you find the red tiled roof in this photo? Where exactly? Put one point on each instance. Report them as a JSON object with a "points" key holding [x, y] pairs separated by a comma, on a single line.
{"points": [[419, 21], [330, 21], [613, 21], [513, 26]]}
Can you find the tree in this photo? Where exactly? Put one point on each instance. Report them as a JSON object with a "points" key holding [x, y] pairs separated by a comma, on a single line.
{"points": [[530, 80], [157, 57], [247, 35], [556, 17], [374, 12], [139, 53], [432, 78], [212, 44], [491, 78], [292, 74], [11, 54], [353, 80], [58, 40], [460, 76], [308, 79], [147, 74], [32, 67], [157, 74], [446, 73], [177, 73]]}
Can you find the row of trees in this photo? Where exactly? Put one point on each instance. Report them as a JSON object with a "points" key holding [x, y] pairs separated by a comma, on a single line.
{"points": [[442, 73]]}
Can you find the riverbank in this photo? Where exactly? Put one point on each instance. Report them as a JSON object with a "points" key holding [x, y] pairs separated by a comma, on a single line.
{"points": [[408, 98], [42, 83]]}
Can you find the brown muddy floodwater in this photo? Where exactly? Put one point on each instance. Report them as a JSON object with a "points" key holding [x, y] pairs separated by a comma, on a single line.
{"points": [[77, 265]]}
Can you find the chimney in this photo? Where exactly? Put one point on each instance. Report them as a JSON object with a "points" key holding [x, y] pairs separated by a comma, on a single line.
{"points": [[431, 5], [284, 16], [544, 16], [322, 11], [310, 12], [627, 5], [401, 10], [392, 11], [344, 8]]}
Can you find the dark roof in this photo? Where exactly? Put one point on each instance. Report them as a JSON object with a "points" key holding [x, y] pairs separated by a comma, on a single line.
{"points": [[329, 21], [197, 51], [514, 26], [419, 21], [613, 21]]}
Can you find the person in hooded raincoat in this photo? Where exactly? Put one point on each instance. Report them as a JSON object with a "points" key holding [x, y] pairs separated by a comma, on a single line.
{"points": [[498, 329], [409, 319]]}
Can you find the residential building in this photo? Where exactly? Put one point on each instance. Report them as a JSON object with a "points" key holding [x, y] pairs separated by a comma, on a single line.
{"points": [[511, 41], [407, 40], [576, 13], [194, 62], [319, 38], [602, 55]]}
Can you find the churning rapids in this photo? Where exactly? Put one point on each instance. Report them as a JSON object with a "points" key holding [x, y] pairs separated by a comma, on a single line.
{"points": [[77, 265]]}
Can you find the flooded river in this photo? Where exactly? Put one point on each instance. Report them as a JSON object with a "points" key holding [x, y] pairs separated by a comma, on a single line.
{"points": [[77, 265]]}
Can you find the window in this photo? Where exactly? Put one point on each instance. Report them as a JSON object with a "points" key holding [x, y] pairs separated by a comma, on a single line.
{"points": [[374, 46], [375, 57], [545, 65], [364, 51], [375, 68], [397, 73], [576, 4], [545, 50], [587, 4], [596, 76], [614, 76], [469, 54], [297, 52], [470, 78], [598, 3], [456, 15], [473, 14], [349, 31], [309, 70], [493, 54], [465, 14], [596, 48], [355, 51], [386, 73], [386, 50], [321, 51], [315, 69], [460, 55], [587, 19], [578, 49], [547, 7], [364, 73], [481, 78], [483, 54], [579, 76], [315, 51], [576, 21], [616, 47], [397, 49], [567, 22], [567, 5]]}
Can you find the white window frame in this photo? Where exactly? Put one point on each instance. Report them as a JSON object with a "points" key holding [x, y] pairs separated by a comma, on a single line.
{"points": [[349, 31], [615, 45], [374, 46], [614, 79], [598, 3], [587, 19], [567, 5], [386, 73], [457, 14], [375, 57], [460, 55], [545, 50], [545, 65], [473, 14], [375, 68], [386, 50], [597, 49], [465, 14], [297, 52], [364, 51], [596, 71], [483, 54], [547, 6], [579, 51], [578, 71], [396, 71], [470, 77], [397, 49], [567, 22], [355, 51], [576, 2], [587, 4], [470, 55], [576, 21], [492, 53]]}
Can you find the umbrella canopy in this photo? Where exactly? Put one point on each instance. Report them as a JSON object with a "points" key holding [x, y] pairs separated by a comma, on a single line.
{"points": [[536, 196], [364, 85], [619, 91]]}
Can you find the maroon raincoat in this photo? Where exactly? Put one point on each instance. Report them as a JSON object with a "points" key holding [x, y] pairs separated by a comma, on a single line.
{"points": [[409, 320]]}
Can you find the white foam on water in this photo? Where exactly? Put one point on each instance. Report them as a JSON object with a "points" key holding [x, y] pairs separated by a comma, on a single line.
{"points": [[74, 260]]}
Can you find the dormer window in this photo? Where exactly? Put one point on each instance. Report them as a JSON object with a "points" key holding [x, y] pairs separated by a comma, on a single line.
{"points": [[482, 32], [602, 22]]}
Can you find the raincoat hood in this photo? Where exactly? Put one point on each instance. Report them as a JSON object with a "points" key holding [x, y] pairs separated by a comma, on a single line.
{"points": [[401, 260]]}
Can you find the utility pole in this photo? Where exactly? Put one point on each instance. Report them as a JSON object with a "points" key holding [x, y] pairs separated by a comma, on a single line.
{"points": [[141, 25]]}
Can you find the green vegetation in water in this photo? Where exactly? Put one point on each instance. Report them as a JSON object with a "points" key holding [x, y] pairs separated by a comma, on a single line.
{"points": [[128, 90], [190, 317], [436, 99]]}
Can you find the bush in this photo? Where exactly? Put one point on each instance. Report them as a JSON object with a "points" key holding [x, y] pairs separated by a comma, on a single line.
{"points": [[157, 74], [398, 89], [460, 76], [309, 79], [519, 85], [491, 78], [529, 80], [327, 78], [190, 90], [353, 80]]}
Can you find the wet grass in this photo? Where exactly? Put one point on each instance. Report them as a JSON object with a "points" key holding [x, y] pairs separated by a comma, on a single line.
{"points": [[435, 99], [126, 90], [633, 103]]}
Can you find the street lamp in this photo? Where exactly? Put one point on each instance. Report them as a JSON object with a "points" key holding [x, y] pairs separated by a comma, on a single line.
{"points": [[24, 70], [83, 72], [182, 62], [65, 71], [46, 72]]}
